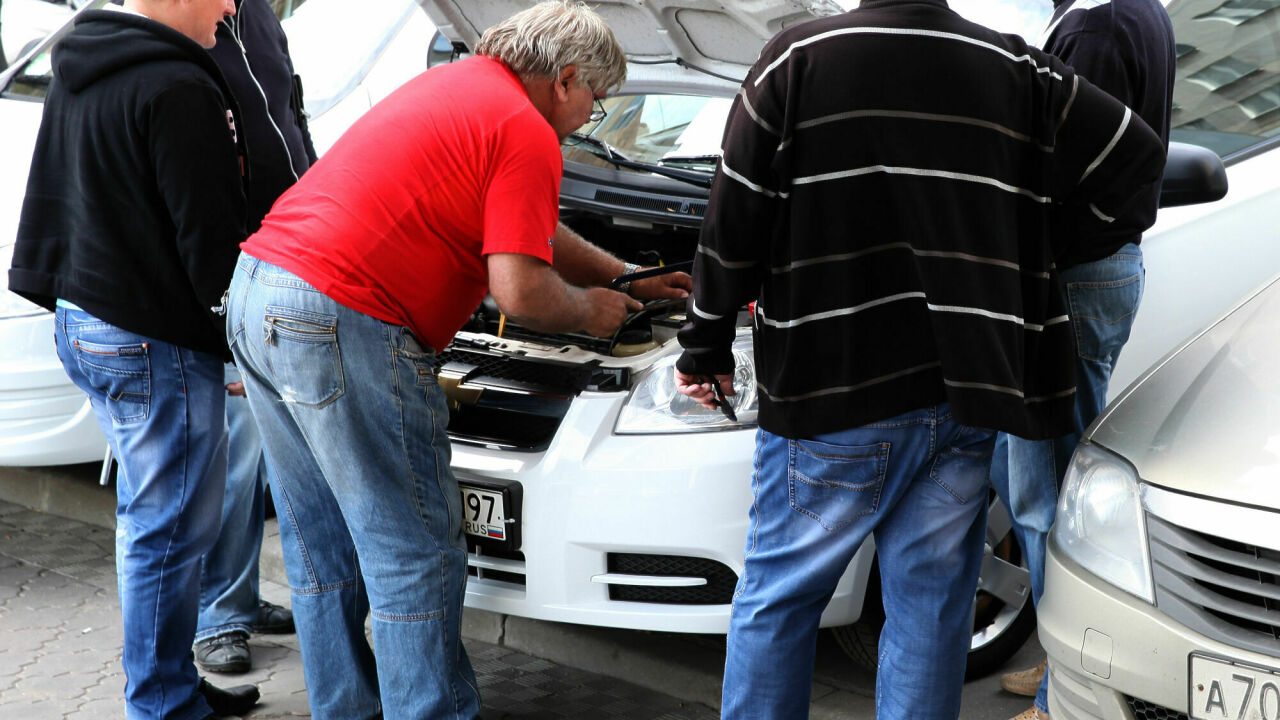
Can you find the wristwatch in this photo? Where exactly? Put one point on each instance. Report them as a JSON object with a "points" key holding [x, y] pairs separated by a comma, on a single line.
{"points": [[627, 269]]}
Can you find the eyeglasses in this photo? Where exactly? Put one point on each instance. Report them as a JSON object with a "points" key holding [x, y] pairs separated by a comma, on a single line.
{"points": [[598, 114]]}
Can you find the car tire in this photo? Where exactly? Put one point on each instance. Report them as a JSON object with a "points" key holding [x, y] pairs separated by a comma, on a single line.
{"points": [[1004, 616]]}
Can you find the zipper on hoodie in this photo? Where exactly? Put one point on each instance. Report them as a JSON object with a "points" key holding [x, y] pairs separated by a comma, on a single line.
{"points": [[234, 27]]}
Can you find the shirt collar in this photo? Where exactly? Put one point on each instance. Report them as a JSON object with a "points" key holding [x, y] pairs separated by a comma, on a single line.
{"points": [[886, 3]]}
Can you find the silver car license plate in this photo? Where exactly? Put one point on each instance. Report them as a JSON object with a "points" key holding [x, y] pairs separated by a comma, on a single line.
{"points": [[1221, 690]]}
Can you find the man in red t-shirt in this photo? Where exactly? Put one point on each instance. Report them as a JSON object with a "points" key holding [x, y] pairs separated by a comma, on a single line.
{"points": [[445, 190]]}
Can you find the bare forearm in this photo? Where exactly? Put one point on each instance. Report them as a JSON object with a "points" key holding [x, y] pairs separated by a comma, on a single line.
{"points": [[535, 296], [544, 302], [581, 263]]}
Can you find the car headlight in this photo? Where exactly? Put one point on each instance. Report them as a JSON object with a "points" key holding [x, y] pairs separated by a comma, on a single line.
{"points": [[1100, 522], [654, 406], [11, 305]]}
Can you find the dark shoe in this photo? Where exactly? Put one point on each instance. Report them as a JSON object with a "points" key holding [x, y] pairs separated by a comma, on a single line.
{"points": [[273, 619], [236, 700], [224, 654]]}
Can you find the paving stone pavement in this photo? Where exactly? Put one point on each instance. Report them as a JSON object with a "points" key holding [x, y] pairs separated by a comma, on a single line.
{"points": [[61, 639]]}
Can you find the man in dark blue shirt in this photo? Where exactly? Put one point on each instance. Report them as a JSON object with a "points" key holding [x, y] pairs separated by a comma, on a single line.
{"points": [[1126, 48], [253, 54]]}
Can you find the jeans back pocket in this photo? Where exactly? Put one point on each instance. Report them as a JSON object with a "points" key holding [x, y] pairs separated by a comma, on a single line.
{"points": [[1102, 314], [122, 373], [835, 484], [302, 349]]}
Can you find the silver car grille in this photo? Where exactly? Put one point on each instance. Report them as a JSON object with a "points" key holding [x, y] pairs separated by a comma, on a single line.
{"points": [[1225, 589]]}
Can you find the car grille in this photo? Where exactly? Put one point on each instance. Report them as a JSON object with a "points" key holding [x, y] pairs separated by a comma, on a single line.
{"points": [[718, 590], [507, 373], [509, 402], [1224, 589], [1143, 710]]}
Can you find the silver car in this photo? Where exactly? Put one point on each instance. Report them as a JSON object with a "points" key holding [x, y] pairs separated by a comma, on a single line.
{"points": [[1162, 591]]}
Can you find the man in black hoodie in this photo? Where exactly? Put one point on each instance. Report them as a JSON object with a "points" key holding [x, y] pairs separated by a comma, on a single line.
{"points": [[129, 233], [253, 54], [1126, 48]]}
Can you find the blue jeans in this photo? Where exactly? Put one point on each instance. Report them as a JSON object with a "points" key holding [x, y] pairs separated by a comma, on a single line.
{"points": [[229, 577], [161, 408], [1103, 298], [918, 482], [353, 427]]}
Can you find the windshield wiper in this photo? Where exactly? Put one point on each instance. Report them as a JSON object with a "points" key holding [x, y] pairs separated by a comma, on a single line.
{"points": [[617, 159], [693, 160]]}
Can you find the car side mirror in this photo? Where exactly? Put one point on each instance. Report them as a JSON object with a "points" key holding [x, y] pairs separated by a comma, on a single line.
{"points": [[1192, 175]]}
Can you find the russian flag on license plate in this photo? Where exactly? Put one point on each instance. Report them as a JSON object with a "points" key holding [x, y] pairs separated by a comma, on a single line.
{"points": [[495, 533]]}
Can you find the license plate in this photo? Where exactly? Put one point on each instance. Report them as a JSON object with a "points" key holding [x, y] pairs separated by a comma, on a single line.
{"points": [[1228, 691], [490, 513]]}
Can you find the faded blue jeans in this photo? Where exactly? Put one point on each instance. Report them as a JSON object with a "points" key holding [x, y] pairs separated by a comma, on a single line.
{"points": [[161, 408], [918, 483], [353, 427], [229, 577], [1103, 298]]}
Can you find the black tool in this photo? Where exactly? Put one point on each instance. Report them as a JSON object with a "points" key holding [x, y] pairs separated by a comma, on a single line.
{"points": [[651, 272], [721, 401]]}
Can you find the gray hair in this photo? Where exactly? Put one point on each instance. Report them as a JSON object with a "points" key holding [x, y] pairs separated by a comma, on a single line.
{"points": [[546, 38]]}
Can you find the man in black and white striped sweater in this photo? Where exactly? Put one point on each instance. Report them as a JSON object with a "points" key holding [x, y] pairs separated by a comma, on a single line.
{"points": [[896, 187], [1125, 47]]}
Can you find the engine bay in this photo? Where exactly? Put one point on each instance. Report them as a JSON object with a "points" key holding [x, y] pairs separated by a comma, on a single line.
{"points": [[509, 386]]}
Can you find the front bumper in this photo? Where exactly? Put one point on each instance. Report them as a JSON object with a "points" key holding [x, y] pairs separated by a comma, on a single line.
{"points": [[1111, 653], [592, 494], [44, 418]]}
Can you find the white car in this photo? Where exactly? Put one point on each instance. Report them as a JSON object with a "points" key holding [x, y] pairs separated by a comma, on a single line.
{"points": [[595, 493], [25, 22], [348, 59]]}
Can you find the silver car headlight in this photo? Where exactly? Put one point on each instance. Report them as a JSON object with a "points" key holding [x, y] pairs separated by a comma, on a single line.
{"points": [[1100, 522], [12, 305], [654, 406]]}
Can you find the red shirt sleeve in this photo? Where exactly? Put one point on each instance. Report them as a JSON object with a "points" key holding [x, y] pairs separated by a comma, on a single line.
{"points": [[522, 198]]}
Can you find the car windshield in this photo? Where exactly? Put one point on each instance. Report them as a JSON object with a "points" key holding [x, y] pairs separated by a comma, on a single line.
{"points": [[680, 131], [1227, 91]]}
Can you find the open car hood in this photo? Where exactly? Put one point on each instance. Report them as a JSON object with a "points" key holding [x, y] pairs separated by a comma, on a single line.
{"points": [[719, 36]]}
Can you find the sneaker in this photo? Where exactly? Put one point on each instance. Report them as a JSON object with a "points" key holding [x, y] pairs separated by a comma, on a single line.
{"points": [[273, 619], [224, 654], [1024, 682], [1031, 713], [237, 700]]}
